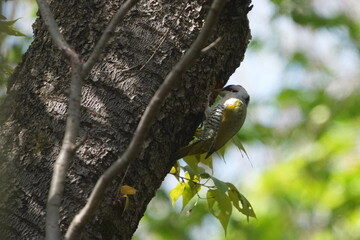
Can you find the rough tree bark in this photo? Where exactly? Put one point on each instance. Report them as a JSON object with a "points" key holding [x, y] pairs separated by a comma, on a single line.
{"points": [[145, 47]]}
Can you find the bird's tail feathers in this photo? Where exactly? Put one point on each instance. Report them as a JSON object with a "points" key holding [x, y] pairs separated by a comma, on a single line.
{"points": [[198, 147]]}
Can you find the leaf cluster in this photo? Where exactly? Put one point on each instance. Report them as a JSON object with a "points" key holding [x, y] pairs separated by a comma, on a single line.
{"points": [[221, 196]]}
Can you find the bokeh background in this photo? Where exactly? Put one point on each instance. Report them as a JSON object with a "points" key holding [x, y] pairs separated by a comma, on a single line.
{"points": [[302, 133]]}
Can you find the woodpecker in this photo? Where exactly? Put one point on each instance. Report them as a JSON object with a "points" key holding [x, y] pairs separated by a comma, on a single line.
{"points": [[222, 122]]}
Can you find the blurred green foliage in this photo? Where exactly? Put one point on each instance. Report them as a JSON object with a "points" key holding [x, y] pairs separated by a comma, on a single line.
{"points": [[13, 43], [7, 29], [305, 14]]}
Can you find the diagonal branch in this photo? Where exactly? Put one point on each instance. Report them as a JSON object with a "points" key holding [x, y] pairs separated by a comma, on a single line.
{"points": [[87, 212]]}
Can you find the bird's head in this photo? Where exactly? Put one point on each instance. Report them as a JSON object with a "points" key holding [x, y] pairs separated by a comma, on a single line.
{"points": [[236, 91]]}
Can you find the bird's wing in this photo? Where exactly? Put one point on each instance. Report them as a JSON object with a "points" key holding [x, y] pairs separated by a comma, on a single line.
{"points": [[197, 147], [232, 119], [211, 124]]}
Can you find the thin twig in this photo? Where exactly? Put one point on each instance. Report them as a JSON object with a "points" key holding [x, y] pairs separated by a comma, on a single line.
{"points": [[193, 181], [159, 42], [163, 38], [123, 178], [87, 212], [71, 130], [109, 30], [211, 45]]}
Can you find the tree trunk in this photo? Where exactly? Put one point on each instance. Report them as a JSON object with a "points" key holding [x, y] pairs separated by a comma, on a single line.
{"points": [[144, 49]]}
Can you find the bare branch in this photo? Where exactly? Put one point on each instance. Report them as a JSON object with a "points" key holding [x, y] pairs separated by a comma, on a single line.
{"points": [[52, 25], [71, 130], [162, 39], [66, 154], [86, 213], [109, 30]]}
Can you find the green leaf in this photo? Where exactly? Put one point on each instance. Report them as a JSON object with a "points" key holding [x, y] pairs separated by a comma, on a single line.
{"points": [[177, 192], [221, 152], [205, 175], [220, 206], [207, 162], [189, 170], [192, 162], [237, 142], [175, 170], [190, 189], [127, 202], [236, 197], [8, 28], [186, 189], [220, 185]]}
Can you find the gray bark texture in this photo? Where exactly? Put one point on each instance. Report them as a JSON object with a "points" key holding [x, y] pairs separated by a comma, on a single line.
{"points": [[143, 50]]}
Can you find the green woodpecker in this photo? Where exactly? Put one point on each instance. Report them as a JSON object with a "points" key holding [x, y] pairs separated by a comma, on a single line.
{"points": [[223, 121]]}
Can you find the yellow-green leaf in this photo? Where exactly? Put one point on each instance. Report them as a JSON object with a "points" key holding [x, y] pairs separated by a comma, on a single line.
{"points": [[220, 185], [190, 189], [175, 170], [236, 197], [8, 28], [208, 161], [192, 162], [236, 140], [220, 206], [127, 190], [205, 175], [127, 201], [221, 152], [177, 192], [189, 171]]}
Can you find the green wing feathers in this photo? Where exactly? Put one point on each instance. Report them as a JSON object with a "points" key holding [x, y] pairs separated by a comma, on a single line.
{"points": [[198, 147]]}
